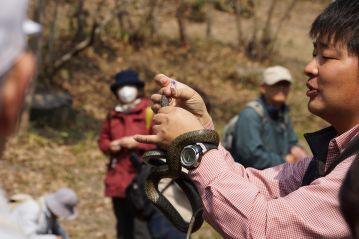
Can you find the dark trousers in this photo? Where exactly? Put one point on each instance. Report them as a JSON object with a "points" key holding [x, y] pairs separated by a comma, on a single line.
{"points": [[161, 228], [128, 226]]}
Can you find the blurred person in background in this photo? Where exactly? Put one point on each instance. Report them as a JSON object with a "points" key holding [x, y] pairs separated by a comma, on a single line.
{"points": [[263, 134], [16, 71], [39, 218], [130, 116]]}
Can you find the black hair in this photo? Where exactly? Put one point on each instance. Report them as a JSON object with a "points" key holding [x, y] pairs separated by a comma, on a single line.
{"points": [[339, 23]]}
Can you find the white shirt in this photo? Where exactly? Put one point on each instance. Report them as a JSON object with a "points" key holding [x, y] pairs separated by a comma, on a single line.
{"points": [[35, 219], [8, 227]]}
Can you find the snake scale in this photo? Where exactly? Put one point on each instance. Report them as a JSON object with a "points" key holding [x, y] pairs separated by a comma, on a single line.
{"points": [[172, 169]]}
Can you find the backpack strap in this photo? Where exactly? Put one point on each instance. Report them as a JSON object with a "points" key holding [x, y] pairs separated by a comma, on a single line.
{"points": [[148, 117], [258, 108]]}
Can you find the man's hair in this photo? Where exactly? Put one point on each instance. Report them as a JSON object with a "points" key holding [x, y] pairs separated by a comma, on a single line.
{"points": [[339, 23]]}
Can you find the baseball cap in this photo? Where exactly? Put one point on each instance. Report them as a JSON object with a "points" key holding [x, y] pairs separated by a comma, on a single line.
{"points": [[274, 74], [13, 30], [62, 203]]}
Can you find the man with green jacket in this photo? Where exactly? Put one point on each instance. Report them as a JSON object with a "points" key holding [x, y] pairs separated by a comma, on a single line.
{"points": [[264, 136]]}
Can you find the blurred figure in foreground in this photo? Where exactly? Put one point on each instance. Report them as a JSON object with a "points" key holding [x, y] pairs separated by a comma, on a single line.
{"points": [[39, 218], [16, 71]]}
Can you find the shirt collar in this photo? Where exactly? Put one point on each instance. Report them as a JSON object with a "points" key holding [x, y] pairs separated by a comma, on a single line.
{"points": [[326, 140], [318, 142], [342, 140]]}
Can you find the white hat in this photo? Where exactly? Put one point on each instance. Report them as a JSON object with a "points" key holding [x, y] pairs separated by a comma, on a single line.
{"points": [[274, 74], [12, 38], [62, 203], [31, 28], [13, 27]]}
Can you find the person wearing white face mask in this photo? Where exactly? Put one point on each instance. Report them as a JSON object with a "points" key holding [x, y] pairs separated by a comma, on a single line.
{"points": [[129, 117]]}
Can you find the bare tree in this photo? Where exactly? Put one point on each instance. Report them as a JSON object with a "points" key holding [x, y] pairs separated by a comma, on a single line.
{"points": [[151, 19], [209, 18], [124, 21], [262, 43], [237, 13], [79, 15], [180, 15]]}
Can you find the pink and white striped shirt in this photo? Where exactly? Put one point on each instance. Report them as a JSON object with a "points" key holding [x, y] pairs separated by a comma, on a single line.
{"points": [[250, 203]]}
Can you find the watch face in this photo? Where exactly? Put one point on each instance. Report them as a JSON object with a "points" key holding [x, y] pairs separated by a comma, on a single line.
{"points": [[188, 157]]}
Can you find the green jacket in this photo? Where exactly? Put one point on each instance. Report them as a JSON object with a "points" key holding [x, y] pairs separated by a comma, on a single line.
{"points": [[262, 141]]}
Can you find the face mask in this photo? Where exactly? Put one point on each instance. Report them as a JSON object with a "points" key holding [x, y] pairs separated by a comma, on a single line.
{"points": [[127, 94]]}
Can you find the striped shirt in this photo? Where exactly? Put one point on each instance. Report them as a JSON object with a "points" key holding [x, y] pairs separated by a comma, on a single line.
{"points": [[248, 203]]}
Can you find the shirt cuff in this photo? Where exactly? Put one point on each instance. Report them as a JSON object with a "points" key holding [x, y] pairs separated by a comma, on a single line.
{"points": [[213, 163]]}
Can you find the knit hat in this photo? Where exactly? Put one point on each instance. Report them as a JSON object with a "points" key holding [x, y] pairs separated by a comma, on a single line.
{"points": [[126, 77], [274, 74], [62, 203]]}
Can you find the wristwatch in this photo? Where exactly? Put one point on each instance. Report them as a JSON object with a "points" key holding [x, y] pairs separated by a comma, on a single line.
{"points": [[191, 154]]}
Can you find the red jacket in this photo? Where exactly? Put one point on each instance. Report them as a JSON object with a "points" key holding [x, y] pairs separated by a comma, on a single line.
{"points": [[116, 126]]}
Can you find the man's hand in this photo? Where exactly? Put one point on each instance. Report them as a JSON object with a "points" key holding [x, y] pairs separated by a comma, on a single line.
{"points": [[115, 146], [298, 152], [182, 96], [290, 158], [128, 142], [169, 123]]}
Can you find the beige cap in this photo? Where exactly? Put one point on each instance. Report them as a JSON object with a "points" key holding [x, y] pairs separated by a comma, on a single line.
{"points": [[274, 74]]}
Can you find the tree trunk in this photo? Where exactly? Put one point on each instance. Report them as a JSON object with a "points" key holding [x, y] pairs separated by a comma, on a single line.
{"points": [[80, 21], [180, 14], [237, 14], [251, 47], [52, 38], [151, 17], [284, 17], [209, 18], [266, 40]]}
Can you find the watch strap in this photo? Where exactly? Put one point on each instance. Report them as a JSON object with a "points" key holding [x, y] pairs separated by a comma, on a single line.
{"points": [[206, 147]]}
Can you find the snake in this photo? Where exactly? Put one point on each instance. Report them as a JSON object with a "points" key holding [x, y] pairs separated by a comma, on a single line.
{"points": [[172, 168]]}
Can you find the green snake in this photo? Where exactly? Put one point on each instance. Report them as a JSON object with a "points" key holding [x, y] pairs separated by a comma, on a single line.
{"points": [[172, 169]]}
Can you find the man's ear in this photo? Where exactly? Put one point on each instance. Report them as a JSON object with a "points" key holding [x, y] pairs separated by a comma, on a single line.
{"points": [[262, 89], [14, 89]]}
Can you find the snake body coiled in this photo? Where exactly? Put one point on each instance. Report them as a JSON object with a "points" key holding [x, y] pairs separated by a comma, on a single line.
{"points": [[172, 169]]}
